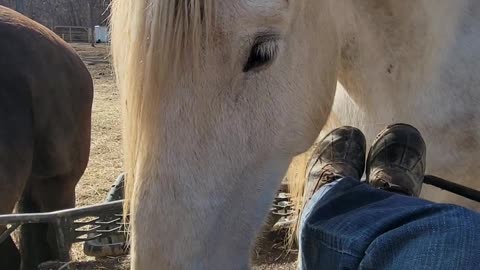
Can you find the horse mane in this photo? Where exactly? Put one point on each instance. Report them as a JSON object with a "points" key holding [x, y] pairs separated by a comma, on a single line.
{"points": [[151, 41]]}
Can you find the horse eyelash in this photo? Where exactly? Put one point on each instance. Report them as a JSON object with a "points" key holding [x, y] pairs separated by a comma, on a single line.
{"points": [[268, 49], [261, 54]]}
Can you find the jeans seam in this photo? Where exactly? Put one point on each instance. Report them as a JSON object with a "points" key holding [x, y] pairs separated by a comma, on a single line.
{"points": [[339, 251]]}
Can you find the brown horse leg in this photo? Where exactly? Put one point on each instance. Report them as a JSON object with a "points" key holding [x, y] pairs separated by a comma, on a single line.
{"points": [[16, 155], [9, 254], [10, 192], [38, 242], [32, 242]]}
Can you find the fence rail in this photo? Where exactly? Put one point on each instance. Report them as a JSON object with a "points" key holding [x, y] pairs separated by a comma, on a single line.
{"points": [[74, 33]]}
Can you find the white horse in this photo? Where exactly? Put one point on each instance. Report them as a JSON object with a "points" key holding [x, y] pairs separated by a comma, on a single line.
{"points": [[220, 95]]}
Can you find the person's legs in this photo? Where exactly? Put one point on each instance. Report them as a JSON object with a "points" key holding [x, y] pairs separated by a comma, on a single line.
{"points": [[355, 226], [351, 225]]}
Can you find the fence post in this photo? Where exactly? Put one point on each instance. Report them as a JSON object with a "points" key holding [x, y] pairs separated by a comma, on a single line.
{"points": [[92, 21], [20, 6]]}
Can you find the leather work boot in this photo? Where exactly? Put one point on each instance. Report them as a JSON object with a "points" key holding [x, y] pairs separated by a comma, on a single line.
{"points": [[396, 161], [340, 154]]}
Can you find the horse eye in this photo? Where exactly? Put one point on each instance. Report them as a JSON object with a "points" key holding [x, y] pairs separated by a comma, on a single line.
{"points": [[261, 55]]}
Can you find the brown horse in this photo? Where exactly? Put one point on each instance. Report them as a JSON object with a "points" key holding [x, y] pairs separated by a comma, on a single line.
{"points": [[46, 97]]}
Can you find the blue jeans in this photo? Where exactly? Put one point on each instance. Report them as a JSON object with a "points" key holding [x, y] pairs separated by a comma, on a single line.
{"points": [[351, 225]]}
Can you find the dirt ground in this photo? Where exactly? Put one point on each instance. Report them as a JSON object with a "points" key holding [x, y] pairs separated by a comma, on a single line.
{"points": [[106, 164]]}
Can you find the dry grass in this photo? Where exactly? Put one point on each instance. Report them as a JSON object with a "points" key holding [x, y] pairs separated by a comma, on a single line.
{"points": [[106, 164], [106, 151]]}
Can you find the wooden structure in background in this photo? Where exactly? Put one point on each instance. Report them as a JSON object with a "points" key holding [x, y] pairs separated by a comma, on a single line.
{"points": [[63, 12], [74, 33]]}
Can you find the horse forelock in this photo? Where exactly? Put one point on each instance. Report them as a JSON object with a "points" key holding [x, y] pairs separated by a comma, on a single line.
{"points": [[152, 43]]}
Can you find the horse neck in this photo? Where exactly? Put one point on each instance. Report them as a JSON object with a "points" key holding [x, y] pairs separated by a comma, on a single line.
{"points": [[391, 50]]}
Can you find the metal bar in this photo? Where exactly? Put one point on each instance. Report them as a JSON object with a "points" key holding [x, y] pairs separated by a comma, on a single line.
{"points": [[107, 231], [53, 216], [110, 222], [463, 191], [283, 214], [7, 232], [88, 238], [73, 27], [86, 223], [81, 231]]}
